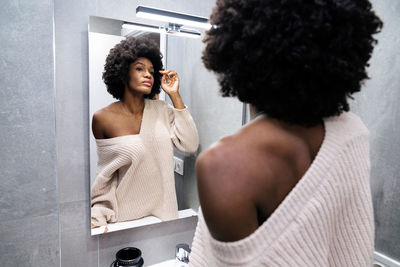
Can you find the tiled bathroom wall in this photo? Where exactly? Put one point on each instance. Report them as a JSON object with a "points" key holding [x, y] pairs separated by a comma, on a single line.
{"points": [[44, 133], [29, 234]]}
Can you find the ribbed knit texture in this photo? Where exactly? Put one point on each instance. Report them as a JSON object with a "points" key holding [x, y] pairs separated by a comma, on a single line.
{"points": [[135, 176], [326, 220]]}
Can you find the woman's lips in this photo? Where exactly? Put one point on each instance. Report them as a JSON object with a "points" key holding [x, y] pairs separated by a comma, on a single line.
{"points": [[149, 84]]}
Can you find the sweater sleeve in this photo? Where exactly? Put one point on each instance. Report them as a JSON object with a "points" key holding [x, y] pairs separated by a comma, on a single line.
{"points": [[104, 202], [103, 192], [183, 129]]}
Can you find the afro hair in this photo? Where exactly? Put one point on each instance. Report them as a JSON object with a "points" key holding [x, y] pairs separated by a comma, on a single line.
{"points": [[295, 60], [118, 61]]}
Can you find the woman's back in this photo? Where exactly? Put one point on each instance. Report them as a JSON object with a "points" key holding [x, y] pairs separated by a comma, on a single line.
{"points": [[325, 220]]}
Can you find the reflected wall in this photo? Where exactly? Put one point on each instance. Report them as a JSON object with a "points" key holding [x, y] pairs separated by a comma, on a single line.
{"points": [[214, 115]]}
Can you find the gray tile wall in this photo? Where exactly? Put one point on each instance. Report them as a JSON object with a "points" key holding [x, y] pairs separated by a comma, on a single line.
{"points": [[378, 106], [28, 189], [44, 192]]}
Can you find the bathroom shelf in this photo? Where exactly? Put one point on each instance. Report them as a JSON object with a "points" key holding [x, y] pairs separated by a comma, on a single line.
{"points": [[112, 227]]}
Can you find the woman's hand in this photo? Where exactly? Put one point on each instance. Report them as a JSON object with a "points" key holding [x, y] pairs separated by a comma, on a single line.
{"points": [[170, 85], [169, 82]]}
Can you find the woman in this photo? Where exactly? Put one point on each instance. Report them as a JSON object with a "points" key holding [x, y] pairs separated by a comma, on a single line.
{"points": [[290, 188], [135, 136]]}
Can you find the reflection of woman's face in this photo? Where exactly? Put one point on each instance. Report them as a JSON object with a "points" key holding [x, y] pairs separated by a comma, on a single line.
{"points": [[141, 76]]}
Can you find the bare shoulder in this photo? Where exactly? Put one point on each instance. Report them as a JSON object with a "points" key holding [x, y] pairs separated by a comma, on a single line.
{"points": [[251, 152], [101, 119], [221, 196], [240, 179], [229, 180], [218, 161]]}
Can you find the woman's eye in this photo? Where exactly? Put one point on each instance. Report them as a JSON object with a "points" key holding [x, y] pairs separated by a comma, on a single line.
{"points": [[139, 69], [152, 73]]}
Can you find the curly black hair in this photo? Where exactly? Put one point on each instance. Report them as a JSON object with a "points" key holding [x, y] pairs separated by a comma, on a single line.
{"points": [[294, 60], [116, 69]]}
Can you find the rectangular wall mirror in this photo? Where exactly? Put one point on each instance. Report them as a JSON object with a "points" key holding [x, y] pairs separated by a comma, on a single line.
{"points": [[214, 116]]}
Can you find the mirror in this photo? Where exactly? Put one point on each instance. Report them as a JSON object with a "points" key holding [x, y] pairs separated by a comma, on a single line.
{"points": [[198, 89]]}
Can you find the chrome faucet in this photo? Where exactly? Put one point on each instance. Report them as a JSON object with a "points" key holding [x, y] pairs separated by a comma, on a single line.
{"points": [[182, 252]]}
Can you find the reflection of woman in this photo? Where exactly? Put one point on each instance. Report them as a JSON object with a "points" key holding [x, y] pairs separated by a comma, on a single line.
{"points": [[291, 188], [135, 136]]}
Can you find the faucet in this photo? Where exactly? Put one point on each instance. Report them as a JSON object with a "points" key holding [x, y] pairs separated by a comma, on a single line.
{"points": [[182, 252]]}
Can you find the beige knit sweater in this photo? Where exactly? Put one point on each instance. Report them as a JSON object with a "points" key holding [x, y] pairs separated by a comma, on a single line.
{"points": [[326, 220], [135, 176]]}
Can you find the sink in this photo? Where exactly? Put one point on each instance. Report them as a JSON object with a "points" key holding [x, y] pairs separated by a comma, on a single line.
{"points": [[167, 263], [182, 256]]}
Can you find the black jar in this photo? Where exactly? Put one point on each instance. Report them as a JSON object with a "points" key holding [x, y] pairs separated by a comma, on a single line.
{"points": [[129, 256]]}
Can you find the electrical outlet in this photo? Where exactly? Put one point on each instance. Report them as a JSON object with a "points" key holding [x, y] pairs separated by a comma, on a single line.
{"points": [[178, 165]]}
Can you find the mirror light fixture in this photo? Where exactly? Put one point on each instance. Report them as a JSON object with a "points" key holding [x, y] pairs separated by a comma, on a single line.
{"points": [[178, 30], [172, 17], [132, 29], [135, 29]]}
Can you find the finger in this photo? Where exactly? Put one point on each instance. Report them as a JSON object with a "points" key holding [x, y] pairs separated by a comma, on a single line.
{"points": [[170, 76], [165, 74], [168, 71], [166, 78]]}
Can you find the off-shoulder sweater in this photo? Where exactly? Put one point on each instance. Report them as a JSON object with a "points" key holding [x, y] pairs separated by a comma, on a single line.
{"points": [[326, 219], [135, 176]]}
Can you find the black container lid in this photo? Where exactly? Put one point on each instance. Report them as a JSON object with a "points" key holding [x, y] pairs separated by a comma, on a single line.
{"points": [[129, 256]]}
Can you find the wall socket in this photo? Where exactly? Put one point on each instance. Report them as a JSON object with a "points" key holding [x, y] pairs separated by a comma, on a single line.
{"points": [[178, 165]]}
